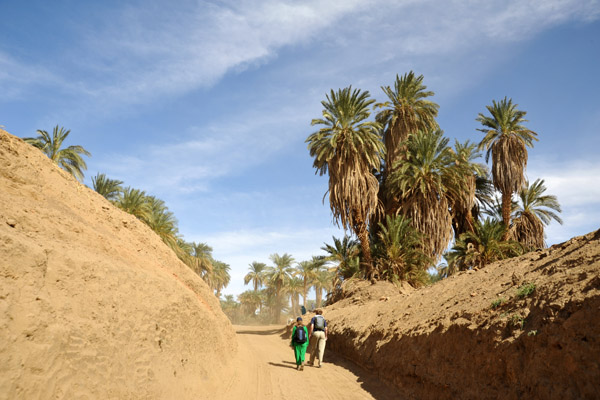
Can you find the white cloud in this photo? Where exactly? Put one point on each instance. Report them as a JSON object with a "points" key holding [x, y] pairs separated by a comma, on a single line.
{"points": [[576, 184], [242, 247], [208, 152]]}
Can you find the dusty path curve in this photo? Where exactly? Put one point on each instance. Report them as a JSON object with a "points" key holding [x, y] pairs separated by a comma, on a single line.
{"points": [[265, 369]]}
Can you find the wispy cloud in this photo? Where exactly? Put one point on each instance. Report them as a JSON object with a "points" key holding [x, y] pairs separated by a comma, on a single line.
{"points": [[195, 45], [207, 152], [16, 77]]}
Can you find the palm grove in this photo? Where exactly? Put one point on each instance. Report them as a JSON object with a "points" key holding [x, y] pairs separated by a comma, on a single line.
{"points": [[406, 194], [395, 183]]}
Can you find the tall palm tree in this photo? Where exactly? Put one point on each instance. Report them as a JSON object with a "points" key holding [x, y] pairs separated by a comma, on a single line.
{"points": [[109, 188], [406, 112], [533, 212], [220, 277], [349, 149], [306, 271], [203, 261], [484, 196], [424, 182], [506, 139], [294, 287], [256, 274], [323, 281], [70, 159], [277, 275], [463, 202]]}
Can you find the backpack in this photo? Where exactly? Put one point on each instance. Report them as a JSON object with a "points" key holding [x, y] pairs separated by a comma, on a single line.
{"points": [[319, 323], [300, 335]]}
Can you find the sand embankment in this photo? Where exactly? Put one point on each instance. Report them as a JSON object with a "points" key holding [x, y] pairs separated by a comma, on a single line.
{"points": [[92, 303], [473, 336]]}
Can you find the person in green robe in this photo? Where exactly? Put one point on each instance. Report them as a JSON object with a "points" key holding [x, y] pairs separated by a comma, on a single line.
{"points": [[299, 343]]}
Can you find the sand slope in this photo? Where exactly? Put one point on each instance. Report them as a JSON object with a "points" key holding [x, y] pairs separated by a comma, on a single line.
{"points": [[92, 303], [446, 341]]}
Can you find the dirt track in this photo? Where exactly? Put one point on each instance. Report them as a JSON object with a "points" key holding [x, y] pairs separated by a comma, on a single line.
{"points": [[265, 369]]}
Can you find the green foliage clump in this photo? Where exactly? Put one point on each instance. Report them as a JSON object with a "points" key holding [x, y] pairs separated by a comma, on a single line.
{"points": [[399, 253], [517, 320], [525, 290], [498, 302]]}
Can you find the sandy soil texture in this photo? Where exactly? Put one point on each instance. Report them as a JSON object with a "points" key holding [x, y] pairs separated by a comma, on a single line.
{"points": [[265, 368], [92, 303]]}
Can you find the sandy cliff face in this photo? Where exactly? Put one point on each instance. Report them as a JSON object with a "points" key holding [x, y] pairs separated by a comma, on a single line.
{"points": [[92, 303], [477, 335]]}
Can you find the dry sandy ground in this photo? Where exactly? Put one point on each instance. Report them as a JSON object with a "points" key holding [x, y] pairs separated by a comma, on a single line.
{"points": [[265, 368]]}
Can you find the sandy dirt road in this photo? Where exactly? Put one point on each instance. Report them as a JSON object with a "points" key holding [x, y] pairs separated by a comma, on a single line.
{"points": [[265, 369]]}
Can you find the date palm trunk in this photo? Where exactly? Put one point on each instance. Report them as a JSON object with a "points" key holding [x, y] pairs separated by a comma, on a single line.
{"points": [[506, 205], [363, 237]]}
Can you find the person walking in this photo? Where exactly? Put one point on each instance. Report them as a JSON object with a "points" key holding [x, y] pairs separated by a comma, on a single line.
{"points": [[299, 343], [317, 332]]}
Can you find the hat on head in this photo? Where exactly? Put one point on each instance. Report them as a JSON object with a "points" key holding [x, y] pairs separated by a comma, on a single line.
{"points": [[299, 319]]}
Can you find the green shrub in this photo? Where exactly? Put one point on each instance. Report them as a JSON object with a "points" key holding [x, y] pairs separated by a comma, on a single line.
{"points": [[518, 320], [498, 302], [526, 289]]}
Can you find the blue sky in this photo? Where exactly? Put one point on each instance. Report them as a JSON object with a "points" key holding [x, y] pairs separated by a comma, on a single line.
{"points": [[207, 104]]}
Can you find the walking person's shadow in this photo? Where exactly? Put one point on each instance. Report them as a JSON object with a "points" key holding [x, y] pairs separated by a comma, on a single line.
{"points": [[286, 364]]}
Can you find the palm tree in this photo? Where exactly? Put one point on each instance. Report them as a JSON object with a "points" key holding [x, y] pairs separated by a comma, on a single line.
{"points": [[162, 222], [306, 271], [399, 254], [203, 261], [349, 149], [323, 281], [256, 274], [251, 300], [220, 277], [534, 211], [134, 201], [484, 196], [407, 112], [69, 158], [229, 302], [277, 276], [109, 188], [506, 139], [479, 248], [344, 257], [294, 287], [463, 202], [424, 182]]}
